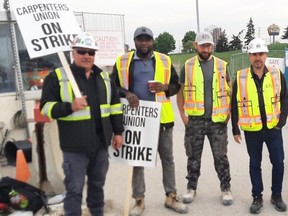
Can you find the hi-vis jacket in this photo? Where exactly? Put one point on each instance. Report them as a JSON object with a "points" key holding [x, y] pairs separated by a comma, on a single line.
{"points": [[248, 101], [194, 90], [162, 73], [93, 126]]}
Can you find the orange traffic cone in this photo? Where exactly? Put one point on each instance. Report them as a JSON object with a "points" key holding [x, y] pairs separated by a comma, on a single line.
{"points": [[22, 169]]}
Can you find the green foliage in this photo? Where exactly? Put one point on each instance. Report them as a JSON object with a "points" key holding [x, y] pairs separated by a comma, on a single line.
{"points": [[277, 46], [222, 43], [250, 34], [165, 43], [285, 35], [187, 42], [236, 43]]}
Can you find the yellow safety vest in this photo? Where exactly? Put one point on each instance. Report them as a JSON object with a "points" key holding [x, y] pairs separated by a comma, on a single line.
{"points": [[194, 90], [248, 101], [66, 94], [162, 74]]}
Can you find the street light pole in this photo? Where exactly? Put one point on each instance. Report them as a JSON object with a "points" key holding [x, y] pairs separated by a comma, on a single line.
{"points": [[197, 12]]}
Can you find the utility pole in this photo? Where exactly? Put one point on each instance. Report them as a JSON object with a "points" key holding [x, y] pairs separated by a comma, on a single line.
{"points": [[197, 12]]}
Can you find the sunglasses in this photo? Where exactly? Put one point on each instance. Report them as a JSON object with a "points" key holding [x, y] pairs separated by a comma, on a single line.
{"points": [[83, 52]]}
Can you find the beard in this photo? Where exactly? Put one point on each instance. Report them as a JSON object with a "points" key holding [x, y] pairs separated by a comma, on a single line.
{"points": [[204, 56], [258, 65]]}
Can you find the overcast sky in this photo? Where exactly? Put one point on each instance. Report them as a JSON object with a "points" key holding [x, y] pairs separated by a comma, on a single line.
{"points": [[179, 16]]}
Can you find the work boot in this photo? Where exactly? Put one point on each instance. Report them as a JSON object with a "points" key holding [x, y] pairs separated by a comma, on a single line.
{"points": [[277, 201], [226, 197], [256, 205], [173, 202], [189, 196], [138, 208]]}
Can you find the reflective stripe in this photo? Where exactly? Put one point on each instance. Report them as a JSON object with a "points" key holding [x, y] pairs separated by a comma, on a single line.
{"points": [[276, 81], [47, 109], [193, 105], [83, 114], [191, 96], [123, 69], [105, 110], [116, 109], [244, 111], [66, 93], [107, 81]]}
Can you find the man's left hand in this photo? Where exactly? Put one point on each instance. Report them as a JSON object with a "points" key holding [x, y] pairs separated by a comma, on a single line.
{"points": [[117, 141]]}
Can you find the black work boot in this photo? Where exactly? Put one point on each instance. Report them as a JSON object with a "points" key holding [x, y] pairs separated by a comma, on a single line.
{"points": [[256, 205], [277, 201]]}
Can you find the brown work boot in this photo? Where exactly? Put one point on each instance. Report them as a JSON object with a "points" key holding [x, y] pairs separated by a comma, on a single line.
{"points": [[138, 208], [173, 202]]}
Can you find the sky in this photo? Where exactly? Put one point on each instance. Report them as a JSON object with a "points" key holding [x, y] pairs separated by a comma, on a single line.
{"points": [[179, 17]]}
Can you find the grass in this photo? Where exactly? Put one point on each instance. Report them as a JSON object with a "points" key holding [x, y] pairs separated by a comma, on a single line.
{"points": [[236, 59]]}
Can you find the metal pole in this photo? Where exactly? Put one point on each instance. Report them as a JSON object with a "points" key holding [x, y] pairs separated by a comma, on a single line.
{"points": [[197, 12]]}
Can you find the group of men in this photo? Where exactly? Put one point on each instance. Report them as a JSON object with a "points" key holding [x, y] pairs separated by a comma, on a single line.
{"points": [[89, 124]]}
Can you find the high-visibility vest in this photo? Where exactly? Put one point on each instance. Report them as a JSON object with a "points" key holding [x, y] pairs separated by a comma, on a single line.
{"points": [[162, 74], [66, 95], [193, 91], [248, 101]]}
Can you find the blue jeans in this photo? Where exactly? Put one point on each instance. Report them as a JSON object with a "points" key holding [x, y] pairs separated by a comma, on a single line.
{"points": [[165, 149], [274, 142], [76, 166]]}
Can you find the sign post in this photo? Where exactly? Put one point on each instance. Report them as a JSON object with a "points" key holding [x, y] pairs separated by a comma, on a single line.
{"points": [[286, 65]]}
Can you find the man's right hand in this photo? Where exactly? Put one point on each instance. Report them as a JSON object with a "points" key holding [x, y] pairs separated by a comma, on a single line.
{"points": [[238, 138], [132, 99], [79, 103]]}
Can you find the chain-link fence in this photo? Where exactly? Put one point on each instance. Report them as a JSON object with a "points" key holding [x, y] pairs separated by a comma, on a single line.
{"points": [[241, 60]]}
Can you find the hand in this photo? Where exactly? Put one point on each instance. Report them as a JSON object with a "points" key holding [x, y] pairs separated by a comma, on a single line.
{"points": [[158, 87], [79, 103], [185, 119], [132, 99], [117, 141], [238, 138]]}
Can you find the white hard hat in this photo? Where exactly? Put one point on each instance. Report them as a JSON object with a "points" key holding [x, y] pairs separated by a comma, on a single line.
{"points": [[84, 40], [257, 45]]}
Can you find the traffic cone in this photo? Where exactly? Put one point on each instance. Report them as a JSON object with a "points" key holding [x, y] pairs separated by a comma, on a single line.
{"points": [[22, 169]]}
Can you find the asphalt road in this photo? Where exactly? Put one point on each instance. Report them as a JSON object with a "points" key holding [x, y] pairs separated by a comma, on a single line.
{"points": [[207, 202]]}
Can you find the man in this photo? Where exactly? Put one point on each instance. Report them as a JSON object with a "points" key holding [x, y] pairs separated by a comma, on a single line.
{"points": [[132, 72], [259, 107], [205, 97], [86, 124]]}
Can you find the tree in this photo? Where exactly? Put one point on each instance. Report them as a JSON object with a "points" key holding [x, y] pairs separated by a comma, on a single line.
{"points": [[165, 43], [285, 35], [250, 34], [187, 42], [222, 43], [236, 43]]}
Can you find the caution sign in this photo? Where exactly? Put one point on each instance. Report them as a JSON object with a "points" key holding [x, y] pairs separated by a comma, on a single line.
{"points": [[46, 26], [140, 136]]}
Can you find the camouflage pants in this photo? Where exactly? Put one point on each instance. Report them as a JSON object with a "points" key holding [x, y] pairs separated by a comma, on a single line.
{"points": [[196, 130]]}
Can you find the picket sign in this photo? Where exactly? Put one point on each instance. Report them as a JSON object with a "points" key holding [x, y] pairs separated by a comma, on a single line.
{"points": [[69, 74]]}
